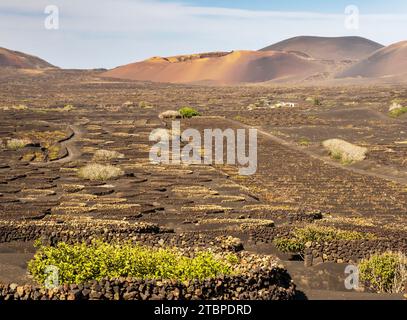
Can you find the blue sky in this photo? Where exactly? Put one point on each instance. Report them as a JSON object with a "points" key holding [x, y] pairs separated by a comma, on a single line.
{"points": [[108, 33], [328, 6]]}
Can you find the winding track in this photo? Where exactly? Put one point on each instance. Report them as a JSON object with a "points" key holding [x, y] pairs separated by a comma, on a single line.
{"points": [[389, 177], [73, 151], [69, 144]]}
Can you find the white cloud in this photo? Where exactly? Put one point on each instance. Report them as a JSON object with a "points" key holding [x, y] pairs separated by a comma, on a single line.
{"points": [[107, 33]]}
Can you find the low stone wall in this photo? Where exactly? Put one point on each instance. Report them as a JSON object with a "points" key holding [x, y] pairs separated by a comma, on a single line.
{"points": [[274, 284], [53, 232], [350, 251], [259, 277], [339, 251], [378, 231], [141, 233], [267, 235]]}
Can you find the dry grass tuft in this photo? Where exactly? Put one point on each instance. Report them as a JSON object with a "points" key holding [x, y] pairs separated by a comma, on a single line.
{"points": [[206, 208], [344, 151], [96, 171], [170, 114], [16, 144], [105, 155]]}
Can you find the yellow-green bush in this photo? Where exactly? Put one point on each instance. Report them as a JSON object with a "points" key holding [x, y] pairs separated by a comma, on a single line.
{"points": [[188, 112], [78, 263], [386, 272], [313, 233], [398, 112], [305, 142], [293, 245], [68, 107]]}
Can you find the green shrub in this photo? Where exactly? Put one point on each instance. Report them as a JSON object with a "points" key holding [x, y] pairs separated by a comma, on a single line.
{"points": [[322, 233], [300, 236], [232, 259], [188, 112], [386, 272], [305, 142], [78, 263], [101, 172], [398, 112], [292, 245]]}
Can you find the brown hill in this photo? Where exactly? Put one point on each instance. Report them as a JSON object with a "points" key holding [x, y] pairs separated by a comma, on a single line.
{"points": [[220, 68], [328, 48], [388, 61], [15, 59]]}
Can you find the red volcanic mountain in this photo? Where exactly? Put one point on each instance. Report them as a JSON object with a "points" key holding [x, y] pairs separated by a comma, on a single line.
{"points": [[295, 59], [221, 68], [386, 62], [328, 48], [15, 59]]}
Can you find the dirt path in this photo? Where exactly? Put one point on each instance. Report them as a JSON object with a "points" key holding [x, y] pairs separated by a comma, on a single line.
{"points": [[378, 114], [73, 152], [386, 176]]}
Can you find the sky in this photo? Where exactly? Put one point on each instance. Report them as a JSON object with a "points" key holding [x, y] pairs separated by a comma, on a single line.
{"points": [[109, 33]]}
